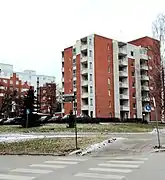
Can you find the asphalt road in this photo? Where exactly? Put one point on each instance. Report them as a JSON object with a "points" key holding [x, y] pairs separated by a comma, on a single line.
{"points": [[130, 159], [148, 166]]}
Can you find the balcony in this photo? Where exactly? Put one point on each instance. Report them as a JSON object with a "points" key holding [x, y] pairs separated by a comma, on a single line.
{"points": [[144, 67], [145, 78], [123, 62], [85, 107], [84, 83], [84, 71], [146, 99], [144, 56], [123, 73], [74, 56], [62, 69], [123, 85], [62, 89], [124, 96], [124, 108], [74, 78], [122, 51], [145, 88], [84, 47], [62, 59], [74, 67], [84, 59], [62, 79], [74, 89], [84, 95]]}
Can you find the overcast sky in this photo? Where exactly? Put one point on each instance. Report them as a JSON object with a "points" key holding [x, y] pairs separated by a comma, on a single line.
{"points": [[34, 32]]}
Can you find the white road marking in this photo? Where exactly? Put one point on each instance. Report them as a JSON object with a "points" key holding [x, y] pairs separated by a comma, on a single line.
{"points": [[71, 159], [48, 166], [120, 165], [111, 170], [127, 162], [14, 177], [100, 176], [61, 162], [129, 158], [35, 171]]}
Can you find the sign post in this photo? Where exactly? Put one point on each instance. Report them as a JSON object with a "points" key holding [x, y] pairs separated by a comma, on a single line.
{"points": [[157, 125], [71, 98], [27, 117]]}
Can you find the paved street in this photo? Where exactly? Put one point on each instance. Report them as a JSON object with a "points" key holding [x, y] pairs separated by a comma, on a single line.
{"points": [[71, 168]]}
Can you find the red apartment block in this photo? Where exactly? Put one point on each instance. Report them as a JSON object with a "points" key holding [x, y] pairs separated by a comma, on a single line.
{"points": [[110, 78], [48, 98]]}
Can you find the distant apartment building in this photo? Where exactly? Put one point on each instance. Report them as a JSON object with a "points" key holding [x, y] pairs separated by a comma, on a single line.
{"points": [[29, 76], [48, 98], [111, 78]]}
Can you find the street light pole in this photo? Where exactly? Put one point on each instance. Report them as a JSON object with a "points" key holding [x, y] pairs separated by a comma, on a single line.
{"points": [[157, 125]]}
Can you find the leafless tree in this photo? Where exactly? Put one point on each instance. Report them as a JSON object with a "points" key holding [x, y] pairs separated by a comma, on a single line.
{"points": [[158, 52]]}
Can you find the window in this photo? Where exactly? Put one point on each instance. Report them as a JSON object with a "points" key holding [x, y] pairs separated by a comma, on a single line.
{"points": [[133, 94], [109, 93], [108, 47], [90, 77], [91, 102], [90, 65], [134, 105], [74, 61], [109, 58], [132, 53], [133, 73], [109, 86], [90, 53], [109, 104], [91, 90], [74, 72], [109, 81], [90, 41], [109, 69], [132, 64], [133, 84]]}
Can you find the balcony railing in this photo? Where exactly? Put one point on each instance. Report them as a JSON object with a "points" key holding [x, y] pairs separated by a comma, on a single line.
{"points": [[144, 56], [124, 96], [145, 88], [147, 99], [123, 62], [85, 107], [84, 47], [84, 83], [124, 108], [62, 69], [123, 73], [144, 67], [145, 78], [123, 85], [84, 95], [84, 59], [84, 71], [123, 51]]}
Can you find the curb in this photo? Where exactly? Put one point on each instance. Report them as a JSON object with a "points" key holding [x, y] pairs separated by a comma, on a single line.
{"points": [[31, 154]]}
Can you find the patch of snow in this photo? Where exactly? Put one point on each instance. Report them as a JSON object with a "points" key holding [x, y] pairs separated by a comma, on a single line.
{"points": [[154, 131], [97, 147]]}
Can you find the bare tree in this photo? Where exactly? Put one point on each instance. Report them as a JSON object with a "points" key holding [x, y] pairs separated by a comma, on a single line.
{"points": [[158, 52], [58, 98]]}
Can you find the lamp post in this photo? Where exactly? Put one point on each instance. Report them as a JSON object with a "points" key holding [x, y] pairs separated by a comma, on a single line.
{"points": [[157, 125]]}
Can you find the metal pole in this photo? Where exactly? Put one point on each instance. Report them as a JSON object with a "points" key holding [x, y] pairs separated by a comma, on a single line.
{"points": [[27, 120], [157, 125], [37, 94], [75, 125]]}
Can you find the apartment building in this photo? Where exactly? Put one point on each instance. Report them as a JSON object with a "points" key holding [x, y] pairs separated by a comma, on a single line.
{"points": [[111, 78], [47, 96]]}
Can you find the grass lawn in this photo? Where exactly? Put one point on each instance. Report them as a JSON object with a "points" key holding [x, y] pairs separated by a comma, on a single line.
{"points": [[125, 127], [48, 145]]}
